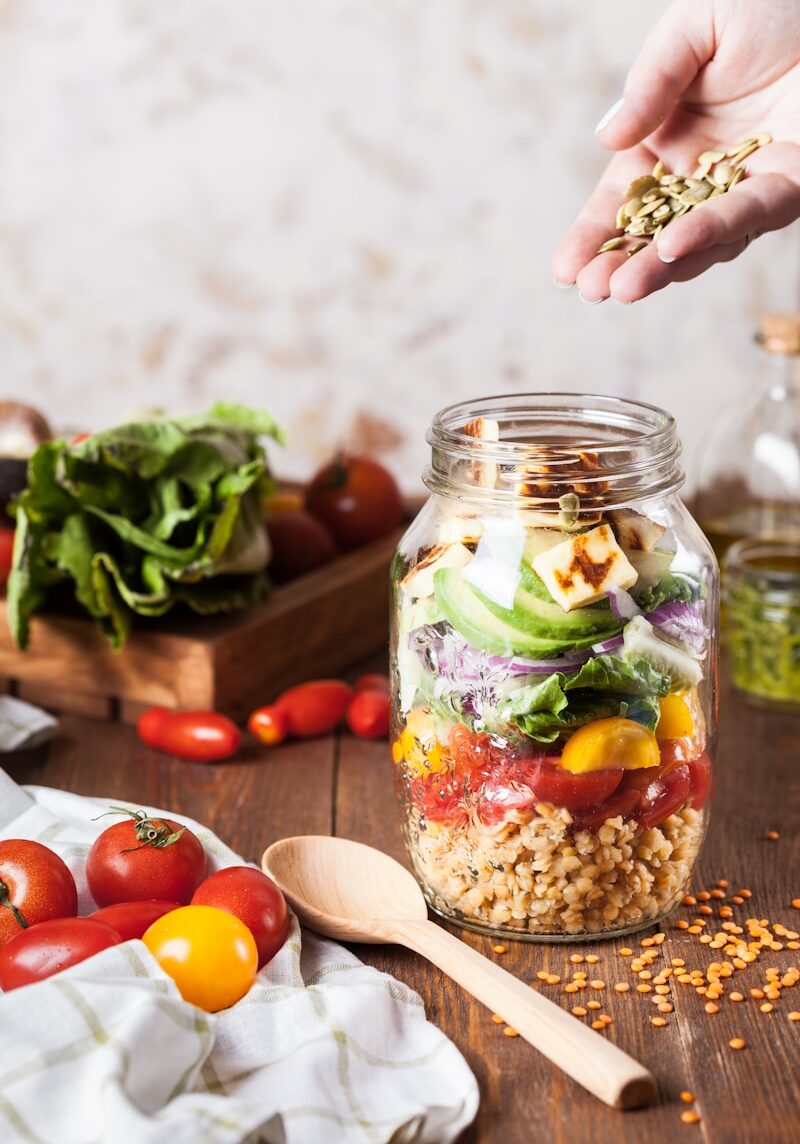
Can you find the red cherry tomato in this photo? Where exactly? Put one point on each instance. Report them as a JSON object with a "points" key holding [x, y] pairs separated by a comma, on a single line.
{"points": [[675, 751], [51, 946], [700, 771], [440, 798], [6, 553], [520, 785], [551, 783], [368, 714], [35, 885], [199, 736], [373, 681], [132, 919], [300, 543], [270, 725], [254, 899], [357, 500], [315, 708], [662, 791], [133, 861]]}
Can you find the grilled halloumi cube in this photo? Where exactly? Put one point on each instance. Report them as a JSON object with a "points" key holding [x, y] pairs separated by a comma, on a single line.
{"points": [[458, 529], [633, 530], [418, 583], [584, 568]]}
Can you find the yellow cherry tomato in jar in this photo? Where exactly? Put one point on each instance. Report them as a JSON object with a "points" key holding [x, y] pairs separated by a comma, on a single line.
{"points": [[607, 744], [419, 748], [676, 720], [210, 955]]}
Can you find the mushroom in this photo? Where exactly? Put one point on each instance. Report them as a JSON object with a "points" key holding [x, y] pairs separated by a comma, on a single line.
{"points": [[22, 431]]}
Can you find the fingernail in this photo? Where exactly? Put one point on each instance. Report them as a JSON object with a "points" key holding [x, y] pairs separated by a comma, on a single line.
{"points": [[609, 115], [665, 257], [591, 301], [563, 285], [620, 302]]}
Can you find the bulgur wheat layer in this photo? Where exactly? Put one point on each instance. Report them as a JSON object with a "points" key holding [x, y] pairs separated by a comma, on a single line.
{"points": [[532, 874]]}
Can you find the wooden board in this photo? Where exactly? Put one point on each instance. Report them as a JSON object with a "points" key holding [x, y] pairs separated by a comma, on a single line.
{"points": [[317, 625]]}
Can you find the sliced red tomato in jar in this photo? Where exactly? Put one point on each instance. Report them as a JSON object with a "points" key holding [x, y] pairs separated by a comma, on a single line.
{"points": [[676, 751], [439, 797], [622, 804], [662, 791], [35, 886], [551, 783], [49, 947], [132, 919], [700, 771]]}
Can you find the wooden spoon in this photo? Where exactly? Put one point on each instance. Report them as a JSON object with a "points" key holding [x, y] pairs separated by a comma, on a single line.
{"points": [[355, 893]]}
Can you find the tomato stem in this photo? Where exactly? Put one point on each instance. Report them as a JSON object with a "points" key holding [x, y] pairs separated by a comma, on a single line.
{"points": [[149, 831], [5, 900], [337, 475]]}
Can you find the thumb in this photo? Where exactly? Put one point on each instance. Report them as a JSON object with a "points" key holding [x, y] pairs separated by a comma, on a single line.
{"points": [[680, 44]]}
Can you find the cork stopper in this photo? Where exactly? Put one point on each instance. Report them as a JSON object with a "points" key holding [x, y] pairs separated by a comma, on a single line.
{"points": [[779, 333]]}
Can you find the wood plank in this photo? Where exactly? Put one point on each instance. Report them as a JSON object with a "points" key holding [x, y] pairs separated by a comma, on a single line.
{"points": [[58, 699], [250, 802]]}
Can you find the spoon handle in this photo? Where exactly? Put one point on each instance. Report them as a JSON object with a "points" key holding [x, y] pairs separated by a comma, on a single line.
{"points": [[588, 1058]]}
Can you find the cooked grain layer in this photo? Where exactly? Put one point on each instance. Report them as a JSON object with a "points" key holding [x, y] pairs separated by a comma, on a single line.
{"points": [[533, 874]]}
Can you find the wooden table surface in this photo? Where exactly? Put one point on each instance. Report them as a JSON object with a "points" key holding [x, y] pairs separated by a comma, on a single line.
{"points": [[343, 786]]}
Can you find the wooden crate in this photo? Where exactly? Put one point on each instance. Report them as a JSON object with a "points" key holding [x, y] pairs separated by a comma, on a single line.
{"points": [[317, 625]]}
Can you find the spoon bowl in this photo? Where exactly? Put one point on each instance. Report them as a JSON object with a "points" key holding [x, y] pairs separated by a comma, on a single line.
{"points": [[344, 889], [352, 892]]}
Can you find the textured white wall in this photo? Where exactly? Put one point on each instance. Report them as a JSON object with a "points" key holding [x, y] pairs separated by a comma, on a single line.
{"points": [[342, 209]]}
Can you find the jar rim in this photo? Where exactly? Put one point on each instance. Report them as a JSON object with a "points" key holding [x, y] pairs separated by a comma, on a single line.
{"points": [[633, 446], [742, 558]]}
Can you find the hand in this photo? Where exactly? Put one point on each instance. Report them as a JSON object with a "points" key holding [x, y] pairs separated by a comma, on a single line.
{"points": [[711, 73]]}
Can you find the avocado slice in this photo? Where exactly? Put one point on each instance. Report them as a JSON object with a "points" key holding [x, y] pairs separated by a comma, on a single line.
{"points": [[504, 631]]}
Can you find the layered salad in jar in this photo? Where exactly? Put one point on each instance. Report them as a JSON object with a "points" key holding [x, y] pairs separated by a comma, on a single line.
{"points": [[551, 673]]}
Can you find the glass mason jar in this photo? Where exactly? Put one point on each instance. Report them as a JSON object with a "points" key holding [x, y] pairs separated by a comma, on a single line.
{"points": [[554, 659], [762, 599]]}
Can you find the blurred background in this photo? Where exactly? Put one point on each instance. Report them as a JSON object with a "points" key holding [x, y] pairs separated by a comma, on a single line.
{"points": [[344, 212]]}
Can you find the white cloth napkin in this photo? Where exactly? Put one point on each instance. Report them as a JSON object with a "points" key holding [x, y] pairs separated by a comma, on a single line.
{"points": [[22, 725], [322, 1049]]}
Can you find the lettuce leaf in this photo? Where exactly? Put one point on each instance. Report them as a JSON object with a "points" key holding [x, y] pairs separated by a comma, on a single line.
{"points": [[138, 518], [674, 587], [604, 686]]}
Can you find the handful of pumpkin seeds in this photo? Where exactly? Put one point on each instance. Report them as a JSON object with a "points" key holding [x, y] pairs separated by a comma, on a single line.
{"points": [[653, 201]]}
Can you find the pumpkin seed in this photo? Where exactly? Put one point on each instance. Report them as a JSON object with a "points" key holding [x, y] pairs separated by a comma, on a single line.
{"points": [[611, 244], [637, 246]]}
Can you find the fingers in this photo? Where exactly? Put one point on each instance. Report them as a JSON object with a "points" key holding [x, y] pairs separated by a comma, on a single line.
{"points": [[759, 203], [646, 274], [597, 220], [681, 43]]}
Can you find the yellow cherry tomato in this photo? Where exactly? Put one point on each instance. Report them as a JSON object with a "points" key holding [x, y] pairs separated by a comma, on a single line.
{"points": [[607, 744], [210, 955], [419, 747], [676, 720]]}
